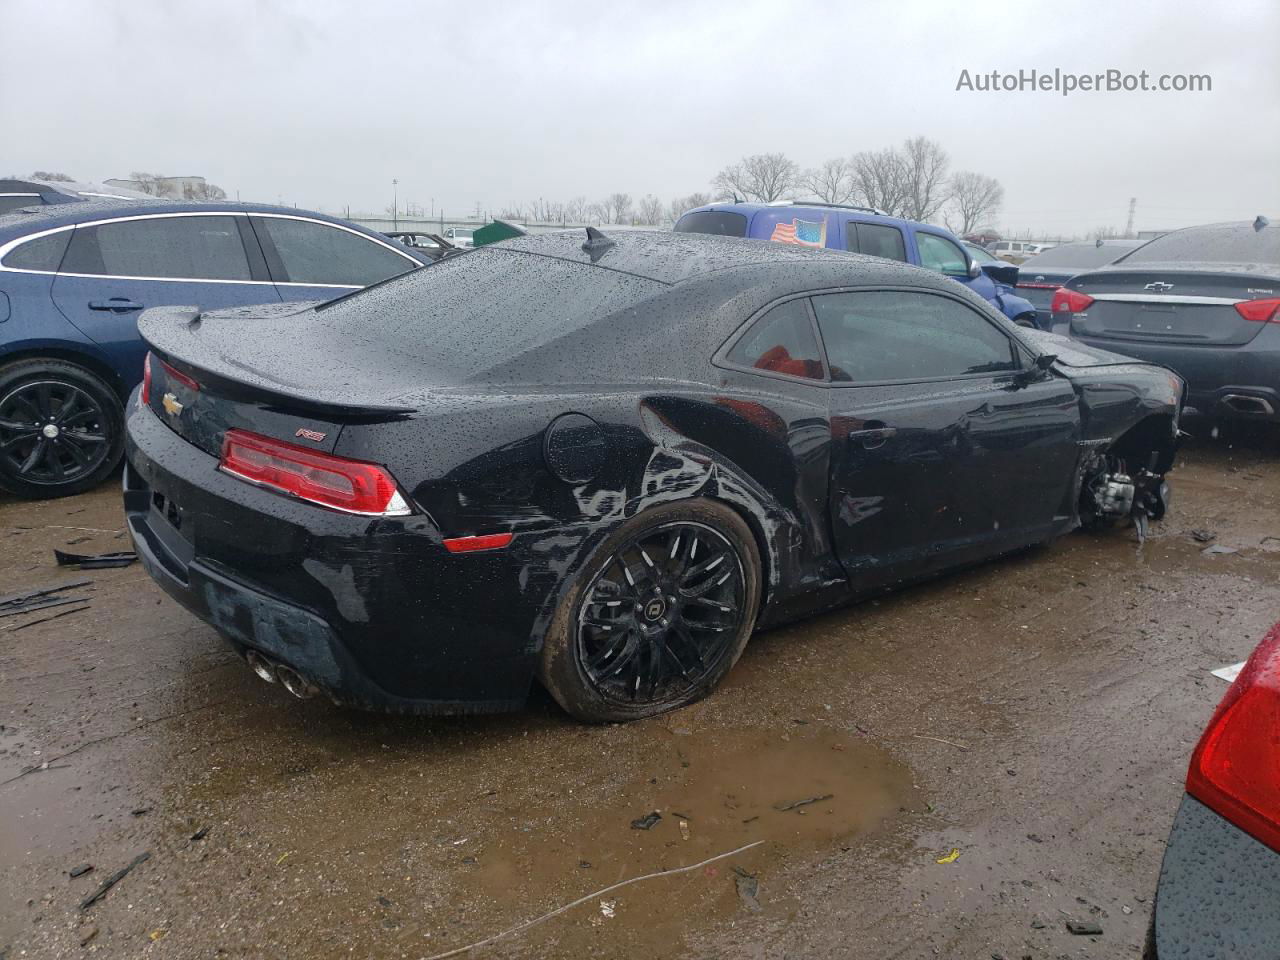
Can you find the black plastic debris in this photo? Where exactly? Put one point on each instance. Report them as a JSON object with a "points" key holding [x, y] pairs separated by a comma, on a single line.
{"points": [[200, 834], [1083, 928], [99, 561], [112, 880], [647, 821], [40, 599], [81, 870]]}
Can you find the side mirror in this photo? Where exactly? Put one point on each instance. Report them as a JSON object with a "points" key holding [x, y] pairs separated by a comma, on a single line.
{"points": [[975, 271], [1045, 361]]}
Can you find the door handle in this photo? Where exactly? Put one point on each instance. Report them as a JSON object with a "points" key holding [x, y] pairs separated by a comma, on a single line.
{"points": [[115, 305], [873, 436]]}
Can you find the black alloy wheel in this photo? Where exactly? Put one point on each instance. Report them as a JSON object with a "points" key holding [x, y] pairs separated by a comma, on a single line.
{"points": [[60, 429], [661, 613], [661, 617]]}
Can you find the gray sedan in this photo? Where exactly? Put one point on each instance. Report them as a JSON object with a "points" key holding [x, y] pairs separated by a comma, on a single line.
{"points": [[1203, 301]]}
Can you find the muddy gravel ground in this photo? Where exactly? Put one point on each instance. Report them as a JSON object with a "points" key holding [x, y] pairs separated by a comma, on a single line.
{"points": [[1034, 715]]}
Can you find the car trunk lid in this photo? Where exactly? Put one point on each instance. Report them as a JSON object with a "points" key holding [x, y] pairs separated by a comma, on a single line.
{"points": [[198, 388], [1157, 305]]}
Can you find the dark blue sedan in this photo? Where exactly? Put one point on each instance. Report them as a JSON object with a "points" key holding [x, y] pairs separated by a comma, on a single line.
{"points": [[75, 276]]}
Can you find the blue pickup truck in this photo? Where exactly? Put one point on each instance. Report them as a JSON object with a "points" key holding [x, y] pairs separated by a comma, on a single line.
{"points": [[864, 230]]}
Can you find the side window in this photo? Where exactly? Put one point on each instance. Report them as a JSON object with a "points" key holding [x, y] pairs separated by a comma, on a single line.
{"points": [[876, 240], [318, 253], [781, 341], [939, 253], [10, 202], [170, 248], [42, 253], [887, 336]]}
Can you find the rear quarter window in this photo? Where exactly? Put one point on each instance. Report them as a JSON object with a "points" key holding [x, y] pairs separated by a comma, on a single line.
{"points": [[42, 253], [719, 222]]}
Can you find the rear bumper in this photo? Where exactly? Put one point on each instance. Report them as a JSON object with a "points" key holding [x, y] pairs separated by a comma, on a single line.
{"points": [[373, 611], [1228, 382], [1219, 892]]}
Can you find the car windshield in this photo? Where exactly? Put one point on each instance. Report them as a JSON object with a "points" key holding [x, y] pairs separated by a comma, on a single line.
{"points": [[1219, 243], [1076, 255], [980, 255]]}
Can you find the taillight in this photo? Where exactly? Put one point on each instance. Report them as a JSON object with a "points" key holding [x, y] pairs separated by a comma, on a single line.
{"points": [[1235, 769], [351, 486], [145, 395], [1260, 311], [1070, 301]]}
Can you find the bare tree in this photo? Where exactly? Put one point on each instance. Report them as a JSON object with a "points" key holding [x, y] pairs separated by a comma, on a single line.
{"points": [[147, 182], [763, 177], [976, 199], [924, 178], [49, 177], [879, 179], [203, 191], [680, 204], [650, 210], [576, 210], [615, 208], [1104, 233], [832, 182]]}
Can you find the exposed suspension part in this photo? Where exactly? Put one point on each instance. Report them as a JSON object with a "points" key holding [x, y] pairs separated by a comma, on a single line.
{"points": [[1112, 491]]}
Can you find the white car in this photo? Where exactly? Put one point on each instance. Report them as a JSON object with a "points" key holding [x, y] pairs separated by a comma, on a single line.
{"points": [[460, 236]]}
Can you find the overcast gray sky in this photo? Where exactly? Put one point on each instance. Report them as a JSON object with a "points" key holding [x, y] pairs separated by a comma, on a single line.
{"points": [[322, 104]]}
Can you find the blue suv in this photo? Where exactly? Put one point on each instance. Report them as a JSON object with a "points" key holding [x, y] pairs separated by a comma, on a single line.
{"points": [[861, 230], [75, 276]]}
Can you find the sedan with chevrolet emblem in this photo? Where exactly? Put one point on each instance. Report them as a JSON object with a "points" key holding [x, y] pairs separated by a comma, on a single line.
{"points": [[602, 465], [1204, 301]]}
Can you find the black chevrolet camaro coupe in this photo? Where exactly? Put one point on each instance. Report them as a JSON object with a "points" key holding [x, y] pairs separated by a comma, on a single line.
{"points": [[604, 464]]}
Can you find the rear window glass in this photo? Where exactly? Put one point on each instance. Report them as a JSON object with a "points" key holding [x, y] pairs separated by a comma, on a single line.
{"points": [[42, 253], [487, 308], [719, 222], [168, 248], [876, 240], [1076, 255], [10, 202], [1222, 243]]}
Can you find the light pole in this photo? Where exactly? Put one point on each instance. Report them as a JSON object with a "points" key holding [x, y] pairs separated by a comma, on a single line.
{"points": [[395, 205]]}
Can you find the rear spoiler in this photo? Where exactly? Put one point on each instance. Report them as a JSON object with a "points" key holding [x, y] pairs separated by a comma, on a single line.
{"points": [[171, 333]]}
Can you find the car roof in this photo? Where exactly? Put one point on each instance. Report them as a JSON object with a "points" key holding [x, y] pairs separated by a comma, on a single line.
{"points": [[861, 214], [49, 216], [672, 258]]}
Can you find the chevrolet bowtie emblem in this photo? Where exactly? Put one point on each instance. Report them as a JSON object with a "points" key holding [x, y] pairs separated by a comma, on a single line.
{"points": [[171, 404]]}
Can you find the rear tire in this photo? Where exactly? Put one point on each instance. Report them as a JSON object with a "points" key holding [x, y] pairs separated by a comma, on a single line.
{"points": [[61, 429], [658, 616]]}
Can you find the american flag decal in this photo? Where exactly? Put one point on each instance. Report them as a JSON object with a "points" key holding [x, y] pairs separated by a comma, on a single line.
{"points": [[806, 233]]}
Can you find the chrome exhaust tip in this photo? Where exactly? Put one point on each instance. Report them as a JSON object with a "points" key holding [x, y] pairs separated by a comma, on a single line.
{"points": [[260, 666], [292, 682], [1242, 403]]}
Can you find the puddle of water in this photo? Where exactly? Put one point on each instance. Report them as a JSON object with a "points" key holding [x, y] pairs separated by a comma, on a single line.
{"points": [[728, 788]]}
